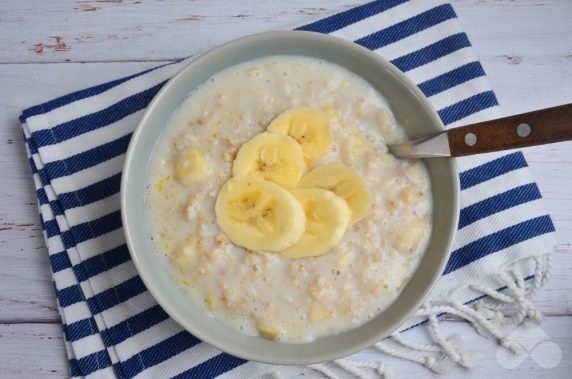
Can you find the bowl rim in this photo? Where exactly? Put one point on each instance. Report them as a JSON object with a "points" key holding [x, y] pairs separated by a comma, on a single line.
{"points": [[148, 281]]}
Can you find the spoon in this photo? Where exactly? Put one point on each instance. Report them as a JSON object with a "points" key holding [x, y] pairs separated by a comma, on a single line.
{"points": [[543, 126]]}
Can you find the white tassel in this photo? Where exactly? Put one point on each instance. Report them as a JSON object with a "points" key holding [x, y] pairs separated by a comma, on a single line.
{"points": [[275, 374], [485, 327], [469, 358], [525, 307], [547, 269], [453, 346], [521, 295], [539, 277], [398, 353], [441, 365], [493, 315], [385, 372], [414, 345], [518, 279], [380, 369], [493, 294], [346, 365], [321, 368]]}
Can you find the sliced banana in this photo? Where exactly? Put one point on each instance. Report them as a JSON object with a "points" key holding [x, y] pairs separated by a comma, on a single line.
{"points": [[190, 167], [327, 218], [274, 157], [259, 215], [309, 127], [345, 182]]}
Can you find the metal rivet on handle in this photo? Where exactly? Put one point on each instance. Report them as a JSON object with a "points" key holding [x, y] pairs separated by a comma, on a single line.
{"points": [[471, 139], [523, 130]]}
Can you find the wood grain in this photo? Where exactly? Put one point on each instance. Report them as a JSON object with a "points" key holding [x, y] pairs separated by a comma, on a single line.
{"points": [[72, 31], [32, 351], [528, 61], [549, 125]]}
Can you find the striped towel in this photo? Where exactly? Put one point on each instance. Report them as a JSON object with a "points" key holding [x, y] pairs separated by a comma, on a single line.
{"points": [[76, 146]]}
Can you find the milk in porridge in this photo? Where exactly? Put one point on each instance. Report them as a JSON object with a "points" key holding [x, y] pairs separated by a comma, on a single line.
{"points": [[289, 297]]}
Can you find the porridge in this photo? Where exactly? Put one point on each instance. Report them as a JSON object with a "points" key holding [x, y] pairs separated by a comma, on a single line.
{"points": [[276, 203]]}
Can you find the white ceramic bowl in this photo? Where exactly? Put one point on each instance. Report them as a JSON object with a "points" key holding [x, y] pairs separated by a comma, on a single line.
{"points": [[411, 110]]}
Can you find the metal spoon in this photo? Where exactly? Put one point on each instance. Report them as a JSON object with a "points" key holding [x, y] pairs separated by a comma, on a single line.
{"points": [[528, 129]]}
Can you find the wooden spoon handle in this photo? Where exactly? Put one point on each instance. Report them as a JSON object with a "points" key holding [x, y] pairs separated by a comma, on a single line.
{"points": [[528, 129]]}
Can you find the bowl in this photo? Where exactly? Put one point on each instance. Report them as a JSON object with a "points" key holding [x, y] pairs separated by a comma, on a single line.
{"points": [[411, 110]]}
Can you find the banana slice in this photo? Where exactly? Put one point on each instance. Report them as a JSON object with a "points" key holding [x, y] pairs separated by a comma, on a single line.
{"points": [[327, 218], [190, 167], [259, 215], [274, 157], [309, 127], [345, 182]]}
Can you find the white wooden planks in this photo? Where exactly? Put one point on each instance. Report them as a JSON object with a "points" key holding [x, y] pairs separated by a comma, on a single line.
{"points": [[525, 47]]}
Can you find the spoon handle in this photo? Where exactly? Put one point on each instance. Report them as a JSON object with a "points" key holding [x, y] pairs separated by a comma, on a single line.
{"points": [[528, 129]]}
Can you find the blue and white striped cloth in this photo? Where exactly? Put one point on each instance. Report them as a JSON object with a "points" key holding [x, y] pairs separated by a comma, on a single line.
{"points": [[76, 145]]}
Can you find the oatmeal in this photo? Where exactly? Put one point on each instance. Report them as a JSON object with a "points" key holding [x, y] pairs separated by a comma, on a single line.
{"points": [[341, 225]]}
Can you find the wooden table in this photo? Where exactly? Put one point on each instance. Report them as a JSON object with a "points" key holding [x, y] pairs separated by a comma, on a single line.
{"points": [[50, 48]]}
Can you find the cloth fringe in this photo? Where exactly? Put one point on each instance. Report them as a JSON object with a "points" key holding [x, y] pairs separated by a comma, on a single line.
{"points": [[486, 315]]}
